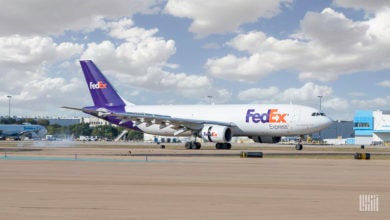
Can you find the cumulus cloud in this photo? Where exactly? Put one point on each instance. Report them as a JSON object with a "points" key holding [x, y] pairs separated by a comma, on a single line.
{"points": [[55, 16], [26, 57], [213, 17], [336, 104], [140, 60], [315, 51], [25, 74], [376, 103], [30, 51], [372, 5], [258, 93], [307, 93], [39, 93], [385, 83]]}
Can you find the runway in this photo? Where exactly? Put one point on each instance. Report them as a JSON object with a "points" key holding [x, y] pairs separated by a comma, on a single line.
{"points": [[134, 150], [187, 187]]}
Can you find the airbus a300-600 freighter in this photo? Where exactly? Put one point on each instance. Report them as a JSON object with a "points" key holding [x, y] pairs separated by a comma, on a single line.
{"points": [[264, 123]]}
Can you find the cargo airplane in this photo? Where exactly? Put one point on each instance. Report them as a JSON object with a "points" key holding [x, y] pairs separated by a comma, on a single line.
{"points": [[264, 123]]}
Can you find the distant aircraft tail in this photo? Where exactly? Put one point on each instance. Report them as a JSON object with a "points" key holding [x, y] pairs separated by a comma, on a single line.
{"points": [[102, 92]]}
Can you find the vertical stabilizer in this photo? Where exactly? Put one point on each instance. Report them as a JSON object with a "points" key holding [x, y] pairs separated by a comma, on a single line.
{"points": [[102, 92]]}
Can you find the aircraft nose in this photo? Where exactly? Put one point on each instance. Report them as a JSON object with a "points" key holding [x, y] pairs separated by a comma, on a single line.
{"points": [[327, 122]]}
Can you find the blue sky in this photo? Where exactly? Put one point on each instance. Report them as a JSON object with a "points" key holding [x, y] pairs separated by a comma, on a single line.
{"points": [[181, 52]]}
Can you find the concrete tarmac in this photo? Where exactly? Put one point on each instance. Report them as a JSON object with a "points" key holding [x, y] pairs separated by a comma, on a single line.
{"points": [[188, 187]]}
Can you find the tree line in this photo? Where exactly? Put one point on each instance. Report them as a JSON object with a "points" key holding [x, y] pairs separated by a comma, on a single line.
{"points": [[106, 132]]}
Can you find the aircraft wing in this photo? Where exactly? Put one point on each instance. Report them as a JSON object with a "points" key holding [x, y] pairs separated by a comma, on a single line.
{"points": [[180, 124]]}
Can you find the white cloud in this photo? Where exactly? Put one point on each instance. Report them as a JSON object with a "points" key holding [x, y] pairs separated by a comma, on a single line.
{"points": [[256, 94], [315, 51], [34, 50], [140, 60], [54, 17], [320, 28], [25, 64], [376, 103], [24, 59], [385, 83], [308, 92], [371, 5], [305, 94], [338, 104], [41, 94], [125, 29], [214, 17]]}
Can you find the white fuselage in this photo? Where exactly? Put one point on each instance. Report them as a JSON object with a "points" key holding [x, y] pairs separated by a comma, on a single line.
{"points": [[249, 119], [18, 130]]}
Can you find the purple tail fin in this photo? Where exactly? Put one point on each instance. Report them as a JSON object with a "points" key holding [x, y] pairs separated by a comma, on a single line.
{"points": [[102, 92]]}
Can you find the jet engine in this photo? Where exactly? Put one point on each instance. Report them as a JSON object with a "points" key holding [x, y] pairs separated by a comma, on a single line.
{"points": [[266, 139], [216, 133]]}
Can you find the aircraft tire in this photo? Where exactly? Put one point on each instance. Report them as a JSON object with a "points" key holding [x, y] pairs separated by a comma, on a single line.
{"points": [[228, 146], [197, 145], [223, 146], [192, 145], [298, 147]]}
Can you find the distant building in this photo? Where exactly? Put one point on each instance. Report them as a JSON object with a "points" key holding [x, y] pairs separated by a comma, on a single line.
{"points": [[93, 121], [372, 127], [338, 129]]}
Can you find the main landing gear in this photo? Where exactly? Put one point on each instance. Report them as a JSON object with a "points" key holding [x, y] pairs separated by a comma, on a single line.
{"points": [[223, 146], [193, 145], [196, 145], [299, 145]]}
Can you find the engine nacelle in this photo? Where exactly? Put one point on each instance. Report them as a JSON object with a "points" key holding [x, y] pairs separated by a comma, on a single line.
{"points": [[266, 139], [216, 133]]}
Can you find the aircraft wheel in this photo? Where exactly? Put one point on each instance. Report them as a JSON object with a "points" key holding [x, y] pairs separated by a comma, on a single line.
{"points": [[298, 147], [197, 145], [228, 146], [192, 145], [225, 146]]}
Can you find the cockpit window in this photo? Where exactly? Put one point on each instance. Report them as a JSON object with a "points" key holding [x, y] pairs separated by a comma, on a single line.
{"points": [[318, 114]]}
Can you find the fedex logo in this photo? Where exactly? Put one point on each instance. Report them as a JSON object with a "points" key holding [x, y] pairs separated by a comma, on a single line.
{"points": [[271, 116], [98, 85], [211, 134]]}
